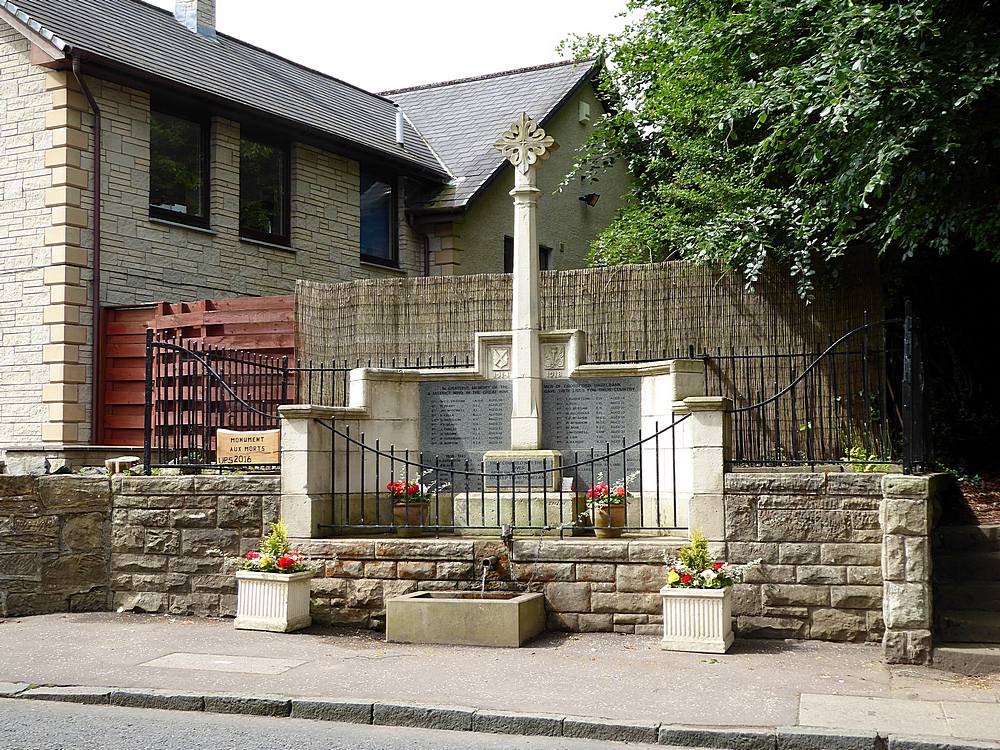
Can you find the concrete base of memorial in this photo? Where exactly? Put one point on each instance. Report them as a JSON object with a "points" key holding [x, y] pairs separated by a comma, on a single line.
{"points": [[498, 466], [465, 618]]}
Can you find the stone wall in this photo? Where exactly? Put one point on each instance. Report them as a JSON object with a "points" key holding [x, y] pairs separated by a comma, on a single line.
{"points": [[24, 179], [819, 541], [54, 534], [175, 540], [589, 585]]}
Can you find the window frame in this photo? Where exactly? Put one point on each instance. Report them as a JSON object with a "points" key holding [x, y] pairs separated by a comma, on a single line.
{"points": [[391, 181], [508, 254], [284, 145], [204, 123]]}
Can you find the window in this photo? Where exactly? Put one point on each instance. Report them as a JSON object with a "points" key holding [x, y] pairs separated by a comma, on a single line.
{"points": [[265, 190], [178, 168], [378, 219], [544, 256]]}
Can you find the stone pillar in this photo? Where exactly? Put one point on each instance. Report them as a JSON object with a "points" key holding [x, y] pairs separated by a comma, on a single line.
{"points": [[306, 475], [906, 517], [708, 443], [524, 144], [445, 245], [62, 277]]}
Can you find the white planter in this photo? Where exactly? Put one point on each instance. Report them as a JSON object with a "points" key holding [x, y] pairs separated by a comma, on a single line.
{"points": [[697, 620], [278, 602]]}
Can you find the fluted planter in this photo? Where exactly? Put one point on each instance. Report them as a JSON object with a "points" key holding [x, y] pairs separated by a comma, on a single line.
{"points": [[697, 620], [276, 602]]}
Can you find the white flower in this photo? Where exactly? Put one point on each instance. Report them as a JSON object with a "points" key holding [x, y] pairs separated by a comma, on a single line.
{"points": [[709, 575]]}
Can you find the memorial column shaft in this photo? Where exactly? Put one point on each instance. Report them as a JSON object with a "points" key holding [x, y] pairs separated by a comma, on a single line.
{"points": [[526, 356]]}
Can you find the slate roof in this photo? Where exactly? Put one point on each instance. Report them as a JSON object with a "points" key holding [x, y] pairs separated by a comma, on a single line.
{"points": [[149, 40], [462, 119]]}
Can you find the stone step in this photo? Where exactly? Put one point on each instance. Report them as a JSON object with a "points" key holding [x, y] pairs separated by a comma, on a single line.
{"points": [[961, 539], [980, 595], [969, 626], [968, 658], [970, 566]]}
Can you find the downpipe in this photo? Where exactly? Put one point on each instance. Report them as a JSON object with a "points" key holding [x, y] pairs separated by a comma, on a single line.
{"points": [[96, 327]]}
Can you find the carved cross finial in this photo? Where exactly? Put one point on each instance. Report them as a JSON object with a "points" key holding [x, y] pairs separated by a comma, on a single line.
{"points": [[524, 143]]}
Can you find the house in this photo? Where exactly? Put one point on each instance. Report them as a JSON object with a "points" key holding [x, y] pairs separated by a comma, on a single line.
{"points": [[228, 171], [468, 220]]}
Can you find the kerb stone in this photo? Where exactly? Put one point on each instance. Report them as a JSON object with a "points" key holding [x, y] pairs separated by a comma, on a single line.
{"points": [[725, 738], [319, 710], [497, 722], [610, 730], [426, 717]]}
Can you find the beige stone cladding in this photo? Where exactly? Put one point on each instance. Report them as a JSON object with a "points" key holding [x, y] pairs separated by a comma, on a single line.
{"points": [[819, 542], [53, 544], [24, 217], [147, 260], [565, 223]]}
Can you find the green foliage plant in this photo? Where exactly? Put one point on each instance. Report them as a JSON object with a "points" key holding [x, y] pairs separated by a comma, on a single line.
{"points": [[796, 132]]}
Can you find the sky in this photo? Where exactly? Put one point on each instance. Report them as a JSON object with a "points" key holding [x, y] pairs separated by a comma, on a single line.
{"points": [[387, 44]]}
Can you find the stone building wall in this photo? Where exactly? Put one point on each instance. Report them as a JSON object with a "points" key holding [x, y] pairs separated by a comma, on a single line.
{"points": [[54, 534], [819, 541], [24, 178]]}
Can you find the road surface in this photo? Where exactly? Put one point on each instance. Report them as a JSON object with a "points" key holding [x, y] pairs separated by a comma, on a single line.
{"points": [[39, 725]]}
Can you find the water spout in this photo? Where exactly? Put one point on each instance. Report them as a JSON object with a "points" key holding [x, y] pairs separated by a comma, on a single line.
{"points": [[489, 563]]}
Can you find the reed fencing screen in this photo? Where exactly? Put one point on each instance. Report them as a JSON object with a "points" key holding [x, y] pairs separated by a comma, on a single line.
{"points": [[634, 312]]}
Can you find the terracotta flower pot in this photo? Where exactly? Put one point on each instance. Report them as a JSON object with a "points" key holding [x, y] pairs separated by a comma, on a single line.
{"points": [[606, 517], [409, 518]]}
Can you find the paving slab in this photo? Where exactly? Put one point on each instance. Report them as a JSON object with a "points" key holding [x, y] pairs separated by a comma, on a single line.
{"points": [[759, 683], [885, 715]]}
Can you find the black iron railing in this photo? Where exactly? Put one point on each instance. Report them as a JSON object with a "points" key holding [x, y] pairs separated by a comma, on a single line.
{"points": [[487, 495], [852, 403]]}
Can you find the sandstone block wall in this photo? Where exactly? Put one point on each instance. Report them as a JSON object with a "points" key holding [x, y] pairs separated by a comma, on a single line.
{"points": [[24, 179], [589, 585], [820, 542], [175, 540], [54, 534]]}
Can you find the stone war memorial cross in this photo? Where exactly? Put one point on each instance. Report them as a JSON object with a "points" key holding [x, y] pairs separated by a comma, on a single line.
{"points": [[525, 145]]}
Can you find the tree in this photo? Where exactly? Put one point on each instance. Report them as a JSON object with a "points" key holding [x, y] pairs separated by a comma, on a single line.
{"points": [[801, 131]]}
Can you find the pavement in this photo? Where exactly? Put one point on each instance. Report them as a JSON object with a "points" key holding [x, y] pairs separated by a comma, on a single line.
{"points": [[760, 683]]}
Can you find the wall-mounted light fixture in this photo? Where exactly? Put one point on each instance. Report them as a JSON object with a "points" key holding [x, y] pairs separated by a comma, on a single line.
{"points": [[591, 199]]}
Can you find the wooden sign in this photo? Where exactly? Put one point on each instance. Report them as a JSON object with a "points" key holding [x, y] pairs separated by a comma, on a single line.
{"points": [[248, 447]]}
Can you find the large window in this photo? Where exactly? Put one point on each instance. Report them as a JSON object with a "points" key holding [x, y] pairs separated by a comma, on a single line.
{"points": [[544, 256], [265, 188], [378, 219], [178, 169]]}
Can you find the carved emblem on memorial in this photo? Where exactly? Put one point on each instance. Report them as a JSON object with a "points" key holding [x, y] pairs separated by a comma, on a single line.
{"points": [[525, 143], [554, 360], [500, 362]]}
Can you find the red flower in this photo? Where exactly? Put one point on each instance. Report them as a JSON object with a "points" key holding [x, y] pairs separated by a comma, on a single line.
{"points": [[717, 566], [413, 489], [619, 492], [252, 555], [686, 578], [285, 561]]}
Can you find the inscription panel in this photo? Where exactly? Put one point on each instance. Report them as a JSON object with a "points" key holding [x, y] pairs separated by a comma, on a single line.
{"points": [[578, 415], [461, 420]]}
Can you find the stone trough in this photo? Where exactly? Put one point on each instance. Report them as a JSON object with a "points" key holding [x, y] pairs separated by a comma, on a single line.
{"points": [[507, 619]]}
